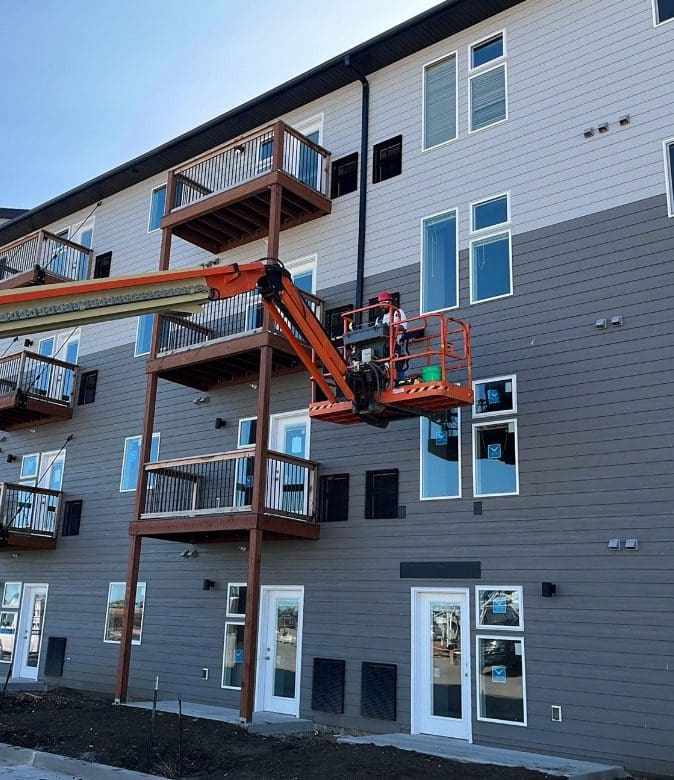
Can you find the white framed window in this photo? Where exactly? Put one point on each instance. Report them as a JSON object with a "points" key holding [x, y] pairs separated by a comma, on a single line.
{"points": [[247, 432], [495, 396], [11, 595], [157, 206], [303, 273], [439, 262], [499, 607], [668, 148], [236, 599], [501, 679], [8, 623], [131, 458], [495, 459], [487, 82], [144, 327], [440, 102], [663, 11], [491, 273], [232, 655], [115, 612], [301, 160], [490, 213], [29, 466], [440, 462]]}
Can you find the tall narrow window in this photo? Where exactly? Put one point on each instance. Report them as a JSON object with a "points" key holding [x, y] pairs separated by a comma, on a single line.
{"points": [[144, 334], [488, 91], [490, 256], [115, 611], [381, 494], [669, 174], [495, 471], [157, 205], [664, 11], [440, 102], [131, 458], [439, 263], [440, 458]]}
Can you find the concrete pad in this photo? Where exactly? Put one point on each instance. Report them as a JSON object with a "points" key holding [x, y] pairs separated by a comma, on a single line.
{"points": [[459, 750]]}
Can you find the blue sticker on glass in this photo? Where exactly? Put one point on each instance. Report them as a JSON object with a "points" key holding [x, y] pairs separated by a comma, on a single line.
{"points": [[494, 452], [493, 396], [249, 482], [498, 674], [441, 437], [498, 605], [238, 656]]}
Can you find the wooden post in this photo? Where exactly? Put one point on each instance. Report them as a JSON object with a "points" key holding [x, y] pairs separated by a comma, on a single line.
{"points": [[127, 620], [247, 704]]}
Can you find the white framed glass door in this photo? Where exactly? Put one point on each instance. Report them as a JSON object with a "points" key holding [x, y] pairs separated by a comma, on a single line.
{"points": [[441, 685], [280, 650], [31, 628], [288, 482]]}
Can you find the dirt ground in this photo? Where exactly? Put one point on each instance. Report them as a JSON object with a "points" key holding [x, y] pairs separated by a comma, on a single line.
{"points": [[93, 729]]}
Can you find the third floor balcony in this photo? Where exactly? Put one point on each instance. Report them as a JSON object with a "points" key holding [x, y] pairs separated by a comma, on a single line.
{"points": [[222, 199]]}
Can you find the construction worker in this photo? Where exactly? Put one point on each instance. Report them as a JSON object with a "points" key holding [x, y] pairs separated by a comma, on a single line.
{"points": [[386, 306]]}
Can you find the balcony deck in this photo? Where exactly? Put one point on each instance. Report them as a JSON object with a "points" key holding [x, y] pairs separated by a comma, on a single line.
{"points": [[220, 345], [29, 517], [35, 390], [207, 498], [222, 200], [43, 258]]}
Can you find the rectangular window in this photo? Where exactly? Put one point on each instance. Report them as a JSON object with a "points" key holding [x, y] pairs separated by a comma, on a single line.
{"points": [[669, 174], [495, 471], [439, 262], [72, 515], [102, 265], [495, 396], [8, 622], [489, 213], [144, 334], [664, 11], [87, 391], [333, 498], [499, 608], [501, 679], [344, 176], [381, 494], [29, 466], [439, 112], [488, 85], [334, 324], [157, 205], [387, 159], [440, 458], [11, 595], [130, 461], [247, 431], [490, 268], [236, 599], [232, 658], [115, 611]]}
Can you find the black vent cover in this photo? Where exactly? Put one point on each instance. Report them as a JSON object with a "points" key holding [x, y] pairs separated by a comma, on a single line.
{"points": [[56, 653], [327, 691], [378, 691]]}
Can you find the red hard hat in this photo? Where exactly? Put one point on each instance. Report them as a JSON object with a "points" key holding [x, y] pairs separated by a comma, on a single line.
{"points": [[385, 297]]}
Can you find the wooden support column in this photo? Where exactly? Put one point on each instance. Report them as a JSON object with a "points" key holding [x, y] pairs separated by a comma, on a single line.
{"points": [[247, 703], [127, 620]]}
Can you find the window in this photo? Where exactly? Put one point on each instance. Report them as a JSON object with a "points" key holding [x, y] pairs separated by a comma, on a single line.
{"points": [[11, 600], [102, 265], [87, 391], [669, 174], [487, 85], [115, 611], [344, 176], [495, 471], [247, 431], [440, 458], [144, 334], [490, 257], [499, 608], [130, 461], [440, 102], [333, 498], [439, 262], [387, 159], [500, 679], [157, 206], [495, 396], [232, 657], [72, 515], [381, 494], [334, 324], [236, 599], [265, 154], [490, 213], [664, 11]]}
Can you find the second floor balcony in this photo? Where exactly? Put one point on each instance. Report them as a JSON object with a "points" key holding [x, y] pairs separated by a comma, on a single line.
{"points": [[222, 200], [35, 389], [42, 258], [29, 517]]}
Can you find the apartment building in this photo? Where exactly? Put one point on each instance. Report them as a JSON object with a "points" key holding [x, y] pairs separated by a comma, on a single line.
{"points": [[502, 578]]}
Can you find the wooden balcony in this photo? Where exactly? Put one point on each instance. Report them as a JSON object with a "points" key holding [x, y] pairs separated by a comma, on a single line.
{"points": [[220, 345], [207, 498], [43, 258], [29, 517], [222, 200], [35, 390]]}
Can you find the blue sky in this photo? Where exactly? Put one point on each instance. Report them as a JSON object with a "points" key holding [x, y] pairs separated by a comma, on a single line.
{"points": [[89, 84]]}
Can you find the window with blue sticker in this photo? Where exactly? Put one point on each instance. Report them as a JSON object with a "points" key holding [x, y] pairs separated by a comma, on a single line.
{"points": [[501, 689], [499, 608], [495, 396], [495, 471], [232, 660], [440, 458]]}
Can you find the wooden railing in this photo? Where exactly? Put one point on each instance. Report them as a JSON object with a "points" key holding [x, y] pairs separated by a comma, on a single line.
{"points": [[221, 319], [29, 510], [223, 482], [37, 376], [275, 147], [53, 254]]}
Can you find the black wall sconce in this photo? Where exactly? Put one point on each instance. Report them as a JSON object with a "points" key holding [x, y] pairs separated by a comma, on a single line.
{"points": [[548, 589], [208, 584], [220, 423], [27, 343], [11, 458]]}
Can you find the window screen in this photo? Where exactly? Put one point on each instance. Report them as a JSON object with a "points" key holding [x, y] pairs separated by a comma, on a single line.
{"points": [[344, 176], [334, 498], [87, 391], [381, 494], [388, 156]]}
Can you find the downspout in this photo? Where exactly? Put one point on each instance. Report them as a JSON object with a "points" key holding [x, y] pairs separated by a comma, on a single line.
{"points": [[362, 204]]}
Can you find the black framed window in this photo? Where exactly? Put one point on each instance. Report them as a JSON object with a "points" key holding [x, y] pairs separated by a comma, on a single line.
{"points": [[72, 515], [381, 494], [87, 391], [333, 498], [344, 176], [102, 265], [334, 325], [387, 159]]}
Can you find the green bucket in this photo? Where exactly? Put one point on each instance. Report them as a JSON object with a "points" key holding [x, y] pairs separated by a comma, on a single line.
{"points": [[431, 373]]}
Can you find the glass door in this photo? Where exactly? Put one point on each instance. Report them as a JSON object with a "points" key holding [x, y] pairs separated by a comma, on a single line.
{"points": [[288, 481], [31, 627]]}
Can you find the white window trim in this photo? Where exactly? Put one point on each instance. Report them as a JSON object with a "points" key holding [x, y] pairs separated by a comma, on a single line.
{"points": [[483, 236], [492, 423], [23, 459], [301, 264], [497, 60], [480, 70], [142, 616], [149, 215], [497, 226], [224, 648], [656, 22], [275, 419], [140, 439], [481, 626], [479, 676], [482, 415], [4, 606], [424, 219], [309, 125], [136, 353], [669, 175], [426, 65], [234, 615], [421, 462], [240, 446]]}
